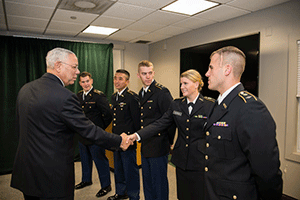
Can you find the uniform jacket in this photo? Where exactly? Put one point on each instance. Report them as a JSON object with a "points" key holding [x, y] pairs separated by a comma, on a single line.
{"points": [[48, 115], [153, 105], [186, 154], [96, 108], [126, 113], [242, 158]]}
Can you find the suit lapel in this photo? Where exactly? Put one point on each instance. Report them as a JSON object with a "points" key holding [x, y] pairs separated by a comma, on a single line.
{"points": [[198, 105], [184, 106], [218, 111], [149, 93]]}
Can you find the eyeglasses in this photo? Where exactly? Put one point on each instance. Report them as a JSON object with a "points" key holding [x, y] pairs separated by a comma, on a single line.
{"points": [[74, 67]]}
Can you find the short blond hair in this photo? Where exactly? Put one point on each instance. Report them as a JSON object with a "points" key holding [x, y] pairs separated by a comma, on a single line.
{"points": [[233, 56], [194, 76], [145, 63]]}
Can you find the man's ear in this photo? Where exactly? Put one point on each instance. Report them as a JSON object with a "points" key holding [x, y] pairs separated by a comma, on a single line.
{"points": [[57, 66], [228, 69]]}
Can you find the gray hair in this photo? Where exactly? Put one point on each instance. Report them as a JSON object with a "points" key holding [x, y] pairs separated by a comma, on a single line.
{"points": [[56, 54]]}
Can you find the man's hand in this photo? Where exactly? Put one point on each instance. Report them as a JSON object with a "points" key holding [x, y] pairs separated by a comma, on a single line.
{"points": [[131, 138], [125, 142]]}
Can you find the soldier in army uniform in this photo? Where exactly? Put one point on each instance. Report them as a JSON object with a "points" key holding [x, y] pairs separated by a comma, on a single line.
{"points": [[126, 118], [155, 100], [96, 107], [241, 151], [189, 113]]}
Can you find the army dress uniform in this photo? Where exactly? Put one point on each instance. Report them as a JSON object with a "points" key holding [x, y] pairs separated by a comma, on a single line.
{"points": [[126, 118], [187, 158], [241, 151], [154, 150], [96, 107]]}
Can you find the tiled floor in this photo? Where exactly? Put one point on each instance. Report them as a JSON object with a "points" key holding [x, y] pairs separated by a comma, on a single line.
{"points": [[88, 193]]}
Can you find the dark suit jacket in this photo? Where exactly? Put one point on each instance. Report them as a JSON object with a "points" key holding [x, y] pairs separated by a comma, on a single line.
{"points": [[153, 105], [186, 154], [126, 113], [96, 108], [48, 115], [241, 149]]}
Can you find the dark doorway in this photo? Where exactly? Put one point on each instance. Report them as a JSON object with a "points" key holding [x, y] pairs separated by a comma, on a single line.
{"points": [[197, 57]]}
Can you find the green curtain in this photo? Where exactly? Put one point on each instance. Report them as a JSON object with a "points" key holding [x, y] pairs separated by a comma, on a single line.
{"points": [[23, 60]]}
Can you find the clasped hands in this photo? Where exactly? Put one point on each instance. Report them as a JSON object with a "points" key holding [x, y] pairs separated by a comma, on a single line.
{"points": [[127, 140]]}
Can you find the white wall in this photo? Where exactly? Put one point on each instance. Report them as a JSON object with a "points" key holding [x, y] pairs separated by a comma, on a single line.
{"points": [[282, 20]]}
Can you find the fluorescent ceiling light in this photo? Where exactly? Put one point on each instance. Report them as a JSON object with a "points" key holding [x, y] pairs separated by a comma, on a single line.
{"points": [[100, 30], [189, 7]]}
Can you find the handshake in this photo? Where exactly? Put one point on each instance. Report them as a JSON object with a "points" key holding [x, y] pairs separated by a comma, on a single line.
{"points": [[127, 140]]}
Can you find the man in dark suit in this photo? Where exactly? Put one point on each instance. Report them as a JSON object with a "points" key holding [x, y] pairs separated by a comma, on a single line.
{"points": [[96, 108], [155, 100], [241, 151], [48, 115], [126, 118]]}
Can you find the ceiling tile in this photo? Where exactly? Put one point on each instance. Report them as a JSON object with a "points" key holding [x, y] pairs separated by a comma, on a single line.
{"points": [[255, 5], [222, 1], [126, 35], [81, 18], [152, 37], [171, 30], [26, 29], [144, 26], [112, 22], [193, 23], [155, 4], [26, 22], [222, 13], [60, 33], [63, 26], [18, 9], [44, 3], [163, 18], [126, 11]]}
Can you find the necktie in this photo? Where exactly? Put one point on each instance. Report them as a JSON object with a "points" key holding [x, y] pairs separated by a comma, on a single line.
{"points": [[144, 93], [84, 97], [190, 107]]}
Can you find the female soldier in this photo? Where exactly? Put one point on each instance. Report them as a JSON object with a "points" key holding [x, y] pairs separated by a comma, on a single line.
{"points": [[189, 113]]}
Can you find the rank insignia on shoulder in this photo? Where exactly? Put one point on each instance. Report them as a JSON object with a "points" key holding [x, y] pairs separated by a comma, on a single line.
{"points": [[130, 92], [246, 96], [158, 85], [98, 91], [210, 99]]}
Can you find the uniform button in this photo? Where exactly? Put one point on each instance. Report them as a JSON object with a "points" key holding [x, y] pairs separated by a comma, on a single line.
{"points": [[90, 106], [115, 109], [82, 106], [149, 107], [206, 157], [187, 129], [142, 120], [142, 127], [142, 107], [186, 145], [115, 119], [187, 120], [219, 137], [207, 144], [114, 114], [142, 114], [121, 108], [206, 169], [159, 134], [234, 197], [187, 137], [114, 124], [207, 133]]}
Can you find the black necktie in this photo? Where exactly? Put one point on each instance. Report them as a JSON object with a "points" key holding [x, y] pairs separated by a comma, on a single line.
{"points": [[84, 97], [191, 104]]}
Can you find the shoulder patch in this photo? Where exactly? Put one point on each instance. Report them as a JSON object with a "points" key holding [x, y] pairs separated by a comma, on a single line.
{"points": [[210, 99], [131, 92], [81, 91], [246, 96], [98, 91], [158, 85]]}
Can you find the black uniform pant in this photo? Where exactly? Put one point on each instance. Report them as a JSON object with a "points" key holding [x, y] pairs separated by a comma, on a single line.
{"points": [[27, 197], [190, 184]]}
